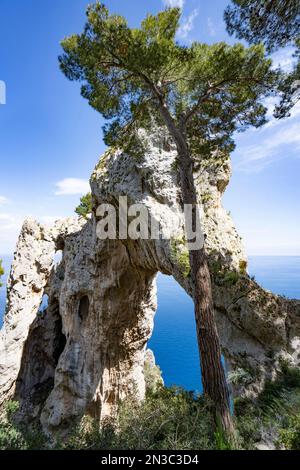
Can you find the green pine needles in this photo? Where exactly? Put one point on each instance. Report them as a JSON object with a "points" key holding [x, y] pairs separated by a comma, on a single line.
{"points": [[1, 272], [129, 74], [85, 206]]}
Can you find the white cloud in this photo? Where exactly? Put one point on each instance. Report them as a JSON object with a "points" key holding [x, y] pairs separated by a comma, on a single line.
{"points": [[70, 186], [211, 27], [3, 200], [10, 226], [49, 219], [173, 3], [284, 59], [6, 217], [187, 24], [256, 157], [278, 138]]}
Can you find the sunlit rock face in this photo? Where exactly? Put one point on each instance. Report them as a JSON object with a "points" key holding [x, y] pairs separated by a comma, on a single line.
{"points": [[87, 350]]}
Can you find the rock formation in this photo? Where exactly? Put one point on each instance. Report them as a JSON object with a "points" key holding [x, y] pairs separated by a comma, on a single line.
{"points": [[87, 350]]}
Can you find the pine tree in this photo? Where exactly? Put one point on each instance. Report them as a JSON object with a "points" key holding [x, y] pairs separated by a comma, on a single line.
{"points": [[140, 78], [85, 206], [276, 24], [1, 272]]}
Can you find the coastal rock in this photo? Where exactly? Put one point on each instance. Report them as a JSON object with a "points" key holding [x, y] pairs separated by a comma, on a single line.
{"points": [[87, 350], [30, 272]]}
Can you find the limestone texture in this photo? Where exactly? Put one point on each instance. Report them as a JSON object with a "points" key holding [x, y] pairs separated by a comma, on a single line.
{"points": [[87, 350]]}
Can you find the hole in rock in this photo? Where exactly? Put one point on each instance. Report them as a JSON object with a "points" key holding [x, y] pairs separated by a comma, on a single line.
{"points": [[59, 342], [83, 309], [57, 258], [44, 304], [174, 339]]}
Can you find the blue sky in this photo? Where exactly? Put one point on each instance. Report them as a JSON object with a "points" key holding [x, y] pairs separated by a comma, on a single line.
{"points": [[50, 139]]}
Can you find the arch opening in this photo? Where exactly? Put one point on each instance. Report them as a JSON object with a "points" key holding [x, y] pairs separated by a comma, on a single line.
{"points": [[58, 256], [44, 304], [174, 339]]}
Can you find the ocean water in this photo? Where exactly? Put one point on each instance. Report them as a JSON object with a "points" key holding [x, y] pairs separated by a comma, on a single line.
{"points": [[174, 338]]}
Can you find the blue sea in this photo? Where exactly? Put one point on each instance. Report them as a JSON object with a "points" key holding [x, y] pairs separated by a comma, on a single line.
{"points": [[174, 339]]}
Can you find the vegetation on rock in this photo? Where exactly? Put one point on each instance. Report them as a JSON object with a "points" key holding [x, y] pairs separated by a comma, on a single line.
{"points": [[180, 255], [14, 437], [243, 264], [174, 419], [289, 436], [273, 414], [85, 206], [276, 24], [1, 272], [153, 377]]}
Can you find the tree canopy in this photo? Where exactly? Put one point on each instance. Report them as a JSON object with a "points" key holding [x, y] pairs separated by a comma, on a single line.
{"points": [[131, 75], [276, 24]]}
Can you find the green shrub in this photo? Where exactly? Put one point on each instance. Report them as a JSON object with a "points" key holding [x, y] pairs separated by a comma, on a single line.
{"points": [[277, 395], [206, 197], [17, 437], [240, 376], [180, 255], [1, 272], [153, 377], [272, 411], [223, 276], [289, 438], [231, 278], [216, 267], [168, 419], [85, 206], [174, 419], [243, 267], [10, 437]]}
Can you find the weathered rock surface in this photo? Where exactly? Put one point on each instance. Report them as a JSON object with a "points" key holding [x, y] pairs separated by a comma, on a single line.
{"points": [[87, 351], [30, 273]]}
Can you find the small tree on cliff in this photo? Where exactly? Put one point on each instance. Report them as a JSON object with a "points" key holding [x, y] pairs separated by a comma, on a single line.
{"points": [[137, 78], [85, 206], [275, 23], [1, 272]]}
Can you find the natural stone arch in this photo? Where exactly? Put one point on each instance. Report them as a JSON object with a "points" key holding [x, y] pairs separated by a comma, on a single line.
{"points": [[103, 357]]}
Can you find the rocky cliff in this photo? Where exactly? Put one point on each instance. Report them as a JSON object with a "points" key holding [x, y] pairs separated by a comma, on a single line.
{"points": [[87, 350]]}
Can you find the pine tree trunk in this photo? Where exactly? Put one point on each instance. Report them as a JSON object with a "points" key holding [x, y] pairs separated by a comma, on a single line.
{"points": [[213, 375]]}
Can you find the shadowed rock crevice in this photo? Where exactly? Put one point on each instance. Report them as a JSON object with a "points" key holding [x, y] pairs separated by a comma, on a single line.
{"points": [[42, 350], [83, 309]]}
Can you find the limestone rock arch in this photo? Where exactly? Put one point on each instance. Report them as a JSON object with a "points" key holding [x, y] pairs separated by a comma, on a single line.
{"points": [[87, 351]]}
